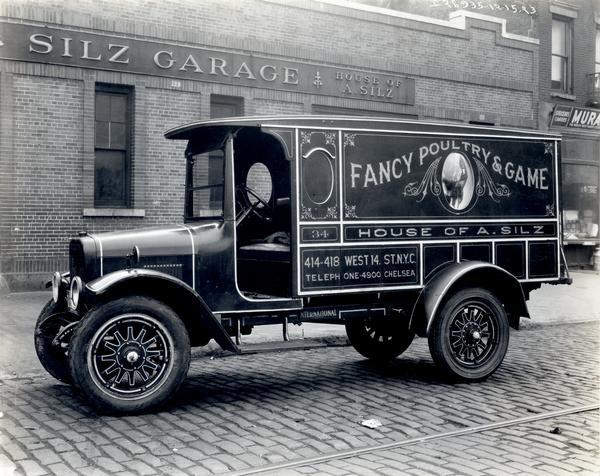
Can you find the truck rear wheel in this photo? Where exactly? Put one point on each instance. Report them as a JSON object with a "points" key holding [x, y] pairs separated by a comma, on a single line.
{"points": [[53, 332], [129, 355], [378, 339], [469, 337]]}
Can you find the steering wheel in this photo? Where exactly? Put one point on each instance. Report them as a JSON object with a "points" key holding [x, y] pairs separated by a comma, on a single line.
{"points": [[243, 193]]}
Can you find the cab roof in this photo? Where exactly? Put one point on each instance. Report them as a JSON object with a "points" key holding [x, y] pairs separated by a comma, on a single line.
{"points": [[187, 131]]}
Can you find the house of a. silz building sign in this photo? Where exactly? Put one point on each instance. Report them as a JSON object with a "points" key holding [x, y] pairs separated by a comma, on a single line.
{"points": [[90, 50]]}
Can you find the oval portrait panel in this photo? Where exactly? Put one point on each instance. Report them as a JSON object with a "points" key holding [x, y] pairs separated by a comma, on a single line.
{"points": [[458, 182]]}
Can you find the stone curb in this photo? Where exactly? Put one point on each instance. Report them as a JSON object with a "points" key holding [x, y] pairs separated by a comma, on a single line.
{"points": [[532, 324]]}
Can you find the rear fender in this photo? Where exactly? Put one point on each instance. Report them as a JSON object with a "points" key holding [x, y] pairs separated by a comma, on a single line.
{"points": [[468, 274], [189, 305]]}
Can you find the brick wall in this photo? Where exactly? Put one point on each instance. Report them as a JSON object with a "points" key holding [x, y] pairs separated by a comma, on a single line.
{"points": [[43, 202], [46, 161], [164, 167], [503, 104], [47, 120], [267, 106]]}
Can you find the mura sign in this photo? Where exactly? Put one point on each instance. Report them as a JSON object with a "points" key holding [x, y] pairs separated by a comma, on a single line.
{"points": [[576, 117]]}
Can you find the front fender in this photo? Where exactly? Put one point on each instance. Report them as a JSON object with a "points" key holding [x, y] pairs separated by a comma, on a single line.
{"points": [[104, 283], [468, 274], [173, 291]]}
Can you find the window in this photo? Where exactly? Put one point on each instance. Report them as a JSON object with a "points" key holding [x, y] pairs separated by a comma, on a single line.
{"points": [[562, 57], [205, 180], [580, 201], [226, 106], [259, 181], [112, 147]]}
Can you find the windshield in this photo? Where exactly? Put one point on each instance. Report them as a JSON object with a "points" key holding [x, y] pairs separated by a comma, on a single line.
{"points": [[204, 191]]}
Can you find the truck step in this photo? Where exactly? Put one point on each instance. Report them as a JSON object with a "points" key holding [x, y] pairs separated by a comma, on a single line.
{"points": [[282, 346]]}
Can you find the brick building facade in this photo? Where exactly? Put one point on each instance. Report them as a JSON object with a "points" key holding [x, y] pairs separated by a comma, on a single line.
{"points": [[570, 92], [87, 88]]}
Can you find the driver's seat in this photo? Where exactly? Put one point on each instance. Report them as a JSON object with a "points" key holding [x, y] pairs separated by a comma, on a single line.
{"points": [[264, 267], [275, 247]]}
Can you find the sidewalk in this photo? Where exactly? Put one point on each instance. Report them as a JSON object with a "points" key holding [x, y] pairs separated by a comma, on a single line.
{"points": [[562, 304], [18, 313]]}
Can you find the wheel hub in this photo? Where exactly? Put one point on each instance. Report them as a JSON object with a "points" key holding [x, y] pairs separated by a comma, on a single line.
{"points": [[472, 334], [132, 356]]}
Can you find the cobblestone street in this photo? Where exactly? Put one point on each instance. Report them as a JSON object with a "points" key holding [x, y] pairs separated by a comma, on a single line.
{"points": [[237, 413]]}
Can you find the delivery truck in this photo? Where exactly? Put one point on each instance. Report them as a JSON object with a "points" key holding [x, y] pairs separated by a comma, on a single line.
{"points": [[392, 228]]}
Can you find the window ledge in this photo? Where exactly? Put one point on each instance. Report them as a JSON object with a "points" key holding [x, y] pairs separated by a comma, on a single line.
{"points": [[582, 241], [569, 97], [114, 212]]}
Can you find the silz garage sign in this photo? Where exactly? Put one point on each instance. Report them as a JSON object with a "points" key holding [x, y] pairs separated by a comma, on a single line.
{"points": [[92, 50], [439, 177]]}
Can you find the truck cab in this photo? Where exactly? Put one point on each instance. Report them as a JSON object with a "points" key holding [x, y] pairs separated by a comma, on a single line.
{"points": [[392, 228]]}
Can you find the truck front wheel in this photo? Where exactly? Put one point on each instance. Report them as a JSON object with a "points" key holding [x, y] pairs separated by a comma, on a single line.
{"points": [[53, 331], [378, 339], [469, 336], [129, 355]]}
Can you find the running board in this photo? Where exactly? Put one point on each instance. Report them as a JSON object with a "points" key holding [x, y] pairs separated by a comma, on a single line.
{"points": [[305, 344]]}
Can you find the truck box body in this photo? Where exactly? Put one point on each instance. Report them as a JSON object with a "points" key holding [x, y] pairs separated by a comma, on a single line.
{"points": [[383, 209]]}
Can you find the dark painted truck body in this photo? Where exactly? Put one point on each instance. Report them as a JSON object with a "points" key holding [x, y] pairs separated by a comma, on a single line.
{"points": [[392, 228]]}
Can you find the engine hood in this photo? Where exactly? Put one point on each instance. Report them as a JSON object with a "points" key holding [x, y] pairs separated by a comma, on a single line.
{"points": [[168, 249], [156, 241]]}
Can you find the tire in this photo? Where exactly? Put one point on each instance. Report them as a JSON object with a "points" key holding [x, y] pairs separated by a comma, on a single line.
{"points": [[378, 339], [469, 337], [48, 325], [129, 355]]}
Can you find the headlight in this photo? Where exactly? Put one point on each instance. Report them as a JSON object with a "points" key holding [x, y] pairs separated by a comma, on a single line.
{"points": [[76, 287], [56, 285]]}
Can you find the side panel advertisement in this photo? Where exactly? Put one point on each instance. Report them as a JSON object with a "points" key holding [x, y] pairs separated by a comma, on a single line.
{"points": [[398, 177]]}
